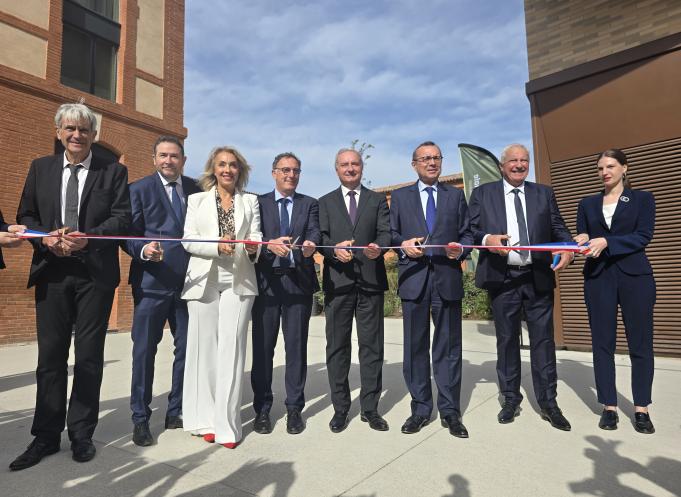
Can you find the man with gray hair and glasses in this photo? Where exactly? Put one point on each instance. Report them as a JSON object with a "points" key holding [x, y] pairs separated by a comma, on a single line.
{"points": [[67, 195], [286, 282]]}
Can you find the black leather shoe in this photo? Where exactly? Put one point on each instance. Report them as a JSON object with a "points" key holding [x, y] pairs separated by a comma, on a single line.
{"points": [[83, 450], [456, 427], [173, 422], [294, 422], [34, 454], [262, 423], [609, 419], [414, 423], [555, 416], [508, 413], [141, 434], [339, 422], [376, 422], [642, 423]]}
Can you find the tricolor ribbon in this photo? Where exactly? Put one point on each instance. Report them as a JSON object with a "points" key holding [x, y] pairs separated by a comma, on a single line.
{"points": [[541, 247]]}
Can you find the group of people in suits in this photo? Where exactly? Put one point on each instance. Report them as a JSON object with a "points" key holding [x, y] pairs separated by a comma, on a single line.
{"points": [[247, 259]]}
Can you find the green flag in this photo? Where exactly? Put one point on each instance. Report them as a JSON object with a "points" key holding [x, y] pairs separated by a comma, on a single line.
{"points": [[479, 166]]}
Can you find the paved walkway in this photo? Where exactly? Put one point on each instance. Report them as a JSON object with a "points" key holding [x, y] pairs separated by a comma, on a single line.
{"points": [[525, 458]]}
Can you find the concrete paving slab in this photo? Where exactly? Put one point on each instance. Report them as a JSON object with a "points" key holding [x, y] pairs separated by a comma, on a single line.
{"points": [[526, 457]]}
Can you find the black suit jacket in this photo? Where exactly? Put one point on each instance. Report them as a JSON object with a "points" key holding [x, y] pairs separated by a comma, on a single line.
{"points": [[407, 221], [3, 227], [104, 210], [544, 224], [152, 214], [304, 225], [631, 229], [372, 225]]}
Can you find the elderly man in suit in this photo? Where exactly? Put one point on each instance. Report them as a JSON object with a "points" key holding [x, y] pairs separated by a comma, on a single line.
{"points": [[514, 211], [286, 282], [75, 278], [157, 274], [430, 285], [353, 283]]}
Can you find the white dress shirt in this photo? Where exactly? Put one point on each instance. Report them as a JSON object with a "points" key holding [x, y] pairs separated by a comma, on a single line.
{"points": [[346, 197], [81, 174], [424, 195], [512, 222]]}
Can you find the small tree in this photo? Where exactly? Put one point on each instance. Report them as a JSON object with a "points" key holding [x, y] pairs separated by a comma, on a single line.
{"points": [[363, 151]]}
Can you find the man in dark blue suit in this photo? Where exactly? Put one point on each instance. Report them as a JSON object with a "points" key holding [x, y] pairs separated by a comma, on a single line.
{"points": [[430, 284], [286, 283], [517, 212], [157, 273]]}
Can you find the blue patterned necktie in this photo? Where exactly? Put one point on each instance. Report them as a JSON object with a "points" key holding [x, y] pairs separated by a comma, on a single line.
{"points": [[176, 202], [431, 210], [284, 228]]}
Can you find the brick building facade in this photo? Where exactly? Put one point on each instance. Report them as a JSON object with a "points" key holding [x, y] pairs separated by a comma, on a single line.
{"points": [[143, 41]]}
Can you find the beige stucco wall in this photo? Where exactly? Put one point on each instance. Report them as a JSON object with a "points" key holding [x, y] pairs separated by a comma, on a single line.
{"points": [[148, 98], [562, 34], [34, 11], [150, 42], [23, 51]]}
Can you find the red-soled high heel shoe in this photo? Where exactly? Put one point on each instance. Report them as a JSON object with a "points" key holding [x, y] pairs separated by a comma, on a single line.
{"points": [[230, 445], [209, 437]]}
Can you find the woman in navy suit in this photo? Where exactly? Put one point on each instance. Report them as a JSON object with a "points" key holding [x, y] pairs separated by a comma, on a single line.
{"points": [[618, 224]]}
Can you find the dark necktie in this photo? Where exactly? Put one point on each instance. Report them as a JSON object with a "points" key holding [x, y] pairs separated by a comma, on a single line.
{"points": [[71, 203], [431, 210], [352, 208], [176, 203], [284, 228], [522, 224]]}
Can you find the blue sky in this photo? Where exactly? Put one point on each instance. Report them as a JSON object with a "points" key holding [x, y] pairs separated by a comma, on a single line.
{"points": [[311, 76]]}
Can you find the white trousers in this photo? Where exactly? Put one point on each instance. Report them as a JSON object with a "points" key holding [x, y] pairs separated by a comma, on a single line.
{"points": [[216, 352]]}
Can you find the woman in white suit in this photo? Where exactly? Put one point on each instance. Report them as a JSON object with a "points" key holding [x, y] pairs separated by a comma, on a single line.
{"points": [[220, 288]]}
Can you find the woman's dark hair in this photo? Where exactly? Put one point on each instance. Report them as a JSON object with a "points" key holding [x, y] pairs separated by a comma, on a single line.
{"points": [[619, 156]]}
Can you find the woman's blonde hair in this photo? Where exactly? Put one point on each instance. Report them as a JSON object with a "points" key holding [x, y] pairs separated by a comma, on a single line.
{"points": [[208, 180]]}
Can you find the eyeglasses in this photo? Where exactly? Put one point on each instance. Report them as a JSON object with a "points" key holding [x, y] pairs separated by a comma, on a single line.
{"points": [[288, 170], [428, 158]]}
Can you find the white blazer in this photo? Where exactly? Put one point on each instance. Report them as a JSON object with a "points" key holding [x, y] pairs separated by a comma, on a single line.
{"points": [[202, 222]]}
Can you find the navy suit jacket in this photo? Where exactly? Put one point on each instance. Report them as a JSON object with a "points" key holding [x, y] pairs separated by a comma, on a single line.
{"points": [[544, 224], [104, 210], [372, 225], [304, 225], [153, 215], [631, 229], [452, 224]]}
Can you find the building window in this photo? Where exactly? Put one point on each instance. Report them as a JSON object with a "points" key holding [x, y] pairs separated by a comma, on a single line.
{"points": [[90, 41]]}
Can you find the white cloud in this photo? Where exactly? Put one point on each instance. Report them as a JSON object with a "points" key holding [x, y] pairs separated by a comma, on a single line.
{"points": [[310, 77]]}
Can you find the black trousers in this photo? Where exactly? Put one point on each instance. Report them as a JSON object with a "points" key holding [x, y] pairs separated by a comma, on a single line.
{"points": [[339, 311], [518, 292], [66, 296], [293, 312], [446, 351], [636, 298]]}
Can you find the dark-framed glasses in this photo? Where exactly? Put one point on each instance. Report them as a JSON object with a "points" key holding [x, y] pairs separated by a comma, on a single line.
{"points": [[426, 159]]}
